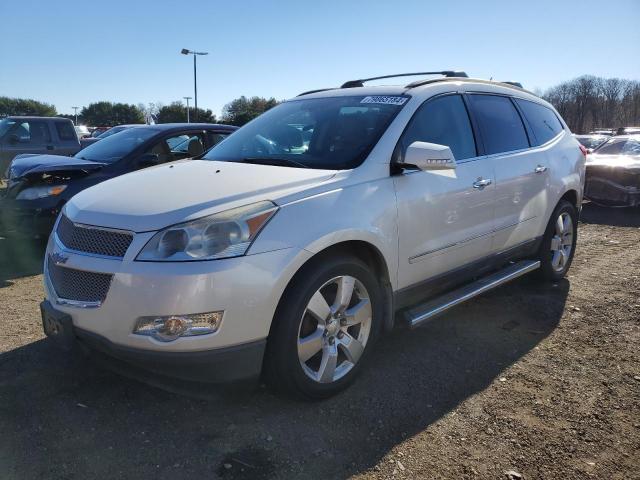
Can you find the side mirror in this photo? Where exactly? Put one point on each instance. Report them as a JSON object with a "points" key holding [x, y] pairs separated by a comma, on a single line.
{"points": [[429, 156], [147, 160], [13, 139]]}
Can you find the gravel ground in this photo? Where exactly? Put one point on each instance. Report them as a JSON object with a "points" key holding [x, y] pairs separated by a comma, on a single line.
{"points": [[528, 381]]}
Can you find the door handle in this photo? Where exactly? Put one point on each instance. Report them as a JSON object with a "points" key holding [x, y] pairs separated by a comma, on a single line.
{"points": [[481, 183], [50, 147], [540, 169]]}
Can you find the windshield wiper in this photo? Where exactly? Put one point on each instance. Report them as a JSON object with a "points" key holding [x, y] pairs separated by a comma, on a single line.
{"points": [[274, 161]]}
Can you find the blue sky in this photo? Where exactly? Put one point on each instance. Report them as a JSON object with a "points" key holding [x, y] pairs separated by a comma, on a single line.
{"points": [[75, 52]]}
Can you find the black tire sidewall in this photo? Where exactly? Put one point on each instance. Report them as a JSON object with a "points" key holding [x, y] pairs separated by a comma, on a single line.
{"points": [[546, 269], [282, 362]]}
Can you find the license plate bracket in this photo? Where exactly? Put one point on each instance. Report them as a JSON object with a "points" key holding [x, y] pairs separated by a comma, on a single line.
{"points": [[58, 326]]}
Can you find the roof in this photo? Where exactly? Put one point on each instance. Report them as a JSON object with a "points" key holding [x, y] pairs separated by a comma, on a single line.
{"points": [[406, 89], [189, 126], [34, 117]]}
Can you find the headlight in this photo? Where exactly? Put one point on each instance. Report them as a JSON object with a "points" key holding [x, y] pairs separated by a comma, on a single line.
{"points": [[34, 193], [223, 235]]}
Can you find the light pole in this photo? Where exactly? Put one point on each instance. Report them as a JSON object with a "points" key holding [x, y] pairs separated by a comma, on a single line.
{"points": [[185, 51], [187, 99], [75, 111]]}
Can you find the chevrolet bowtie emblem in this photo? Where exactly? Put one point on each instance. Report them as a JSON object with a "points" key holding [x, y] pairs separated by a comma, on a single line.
{"points": [[59, 259]]}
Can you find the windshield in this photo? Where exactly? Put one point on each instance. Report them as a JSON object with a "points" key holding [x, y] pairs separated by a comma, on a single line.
{"points": [[5, 125], [591, 142], [113, 148], [621, 146], [325, 133], [111, 131]]}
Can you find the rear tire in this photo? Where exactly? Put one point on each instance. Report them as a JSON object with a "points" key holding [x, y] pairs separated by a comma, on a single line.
{"points": [[324, 328], [558, 243]]}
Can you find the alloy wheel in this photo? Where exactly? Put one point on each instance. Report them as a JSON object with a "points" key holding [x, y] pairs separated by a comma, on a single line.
{"points": [[334, 329], [562, 242]]}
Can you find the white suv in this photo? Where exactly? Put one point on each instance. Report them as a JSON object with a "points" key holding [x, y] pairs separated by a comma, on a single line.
{"points": [[288, 248]]}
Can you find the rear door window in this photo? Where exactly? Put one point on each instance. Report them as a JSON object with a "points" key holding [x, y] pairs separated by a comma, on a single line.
{"points": [[66, 132], [445, 121], [500, 124], [543, 121]]}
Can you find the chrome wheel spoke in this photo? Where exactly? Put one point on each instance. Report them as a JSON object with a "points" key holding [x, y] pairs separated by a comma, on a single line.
{"points": [[351, 347], [327, 351], [328, 364], [358, 313], [344, 294], [555, 260], [311, 344], [319, 307], [559, 226]]}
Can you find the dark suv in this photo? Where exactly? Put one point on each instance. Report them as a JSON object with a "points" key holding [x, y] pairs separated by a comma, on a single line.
{"points": [[39, 185], [35, 135]]}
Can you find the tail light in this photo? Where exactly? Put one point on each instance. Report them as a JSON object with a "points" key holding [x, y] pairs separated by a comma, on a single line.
{"points": [[583, 150]]}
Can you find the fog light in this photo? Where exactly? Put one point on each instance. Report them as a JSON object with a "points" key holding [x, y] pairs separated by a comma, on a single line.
{"points": [[170, 328]]}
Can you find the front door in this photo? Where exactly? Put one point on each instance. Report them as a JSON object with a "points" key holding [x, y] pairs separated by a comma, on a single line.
{"points": [[25, 136], [445, 217]]}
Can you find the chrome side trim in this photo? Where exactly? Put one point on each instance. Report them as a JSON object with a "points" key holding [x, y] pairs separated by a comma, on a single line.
{"points": [[427, 311], [419, 256]]}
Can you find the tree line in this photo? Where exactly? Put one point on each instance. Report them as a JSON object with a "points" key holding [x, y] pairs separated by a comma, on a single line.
{"points": [[237, 112], [585, 103]]}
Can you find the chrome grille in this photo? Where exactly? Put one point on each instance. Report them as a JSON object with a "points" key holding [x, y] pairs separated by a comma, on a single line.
{"points": [[78, 285], [95, 240]]}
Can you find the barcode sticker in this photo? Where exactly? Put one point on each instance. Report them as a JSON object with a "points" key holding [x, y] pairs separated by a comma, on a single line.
{"points": [[387, 100]]}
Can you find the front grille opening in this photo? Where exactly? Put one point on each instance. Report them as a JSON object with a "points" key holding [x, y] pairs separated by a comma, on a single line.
{"points": [[94, 240], [78, 285]]}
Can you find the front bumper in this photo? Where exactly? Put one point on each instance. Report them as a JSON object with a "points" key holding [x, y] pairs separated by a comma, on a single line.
{"points": [[247, 289], [612, 186], [222, 365], [28, 217]]}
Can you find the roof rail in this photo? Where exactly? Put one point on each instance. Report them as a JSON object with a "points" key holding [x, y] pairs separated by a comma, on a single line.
{"points": [[309, 92], [515, 84], [360, 83]]}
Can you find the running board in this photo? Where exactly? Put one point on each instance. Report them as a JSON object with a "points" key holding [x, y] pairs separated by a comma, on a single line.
{"points": [[422, 313]]}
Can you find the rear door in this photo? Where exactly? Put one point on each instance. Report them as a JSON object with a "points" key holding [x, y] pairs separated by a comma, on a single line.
{"points": [[67, 140], [521, 172], [445, 217]]}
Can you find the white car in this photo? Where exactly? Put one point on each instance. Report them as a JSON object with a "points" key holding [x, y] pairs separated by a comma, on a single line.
{"points": [[288, 248]]}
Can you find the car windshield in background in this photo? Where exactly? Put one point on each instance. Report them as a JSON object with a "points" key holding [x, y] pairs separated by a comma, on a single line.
{"points": [[325, 133], [111, 131], [5, 125], [591, 142], [620, 146], [116, 146]]}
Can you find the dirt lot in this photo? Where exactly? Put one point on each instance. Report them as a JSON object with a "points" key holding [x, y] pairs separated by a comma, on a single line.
{"points": [[539, 380]]}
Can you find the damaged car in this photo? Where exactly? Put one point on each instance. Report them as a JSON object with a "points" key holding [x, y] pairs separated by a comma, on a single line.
{"points": [[613, 172], [40, 185]]}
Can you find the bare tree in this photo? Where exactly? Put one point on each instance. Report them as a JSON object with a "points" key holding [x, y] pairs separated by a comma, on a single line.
{"points": [[590, 102]]}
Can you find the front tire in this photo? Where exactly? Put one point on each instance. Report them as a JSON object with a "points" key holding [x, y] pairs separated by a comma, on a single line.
{"points": [[324, 328], [559, 242]]}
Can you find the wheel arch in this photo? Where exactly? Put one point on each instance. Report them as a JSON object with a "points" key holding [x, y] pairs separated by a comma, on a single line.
{"points": [[570, 196], [366, 252]]}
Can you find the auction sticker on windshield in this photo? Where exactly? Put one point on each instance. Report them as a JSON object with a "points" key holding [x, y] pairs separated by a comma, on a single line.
{"points": [[388, 100]]}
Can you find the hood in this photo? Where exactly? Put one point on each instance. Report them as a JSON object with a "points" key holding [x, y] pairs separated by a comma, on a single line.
{"points": [[629, 162], [24, 165], [161, 196]]}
